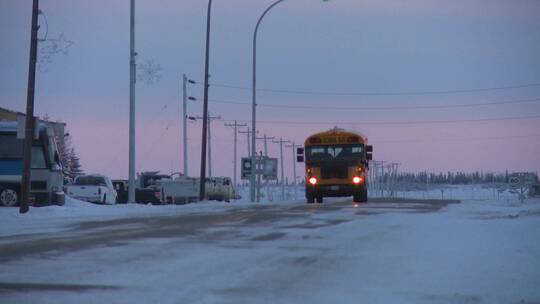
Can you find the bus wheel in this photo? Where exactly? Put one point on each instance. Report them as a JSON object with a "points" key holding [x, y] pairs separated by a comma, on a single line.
{"points": [[320, 199], [9, 197], [360, 196], [310, 199], [364, 196]]}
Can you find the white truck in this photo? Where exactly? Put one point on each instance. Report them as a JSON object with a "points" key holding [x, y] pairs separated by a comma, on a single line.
{"points": [[220, 189], [183, 189], [179, 190], [93, 188]]}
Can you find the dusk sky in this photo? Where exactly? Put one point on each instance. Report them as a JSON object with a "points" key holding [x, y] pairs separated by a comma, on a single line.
{"points": [[374, 54]]}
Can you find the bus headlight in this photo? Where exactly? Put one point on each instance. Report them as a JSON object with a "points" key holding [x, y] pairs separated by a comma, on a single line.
{"points": [[312, 180], [357, 180]]}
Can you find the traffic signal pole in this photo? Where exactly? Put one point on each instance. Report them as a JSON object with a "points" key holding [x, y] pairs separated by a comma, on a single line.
{"points": [[294, 146]]}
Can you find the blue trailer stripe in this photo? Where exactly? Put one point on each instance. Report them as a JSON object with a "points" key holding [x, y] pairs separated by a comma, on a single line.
{"points": [[11, 167]]}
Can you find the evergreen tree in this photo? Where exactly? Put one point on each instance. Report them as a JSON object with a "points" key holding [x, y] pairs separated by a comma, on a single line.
{"points": [[74, 164], [71, 166]]}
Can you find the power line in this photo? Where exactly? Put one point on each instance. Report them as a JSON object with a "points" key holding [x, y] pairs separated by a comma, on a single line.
{"points": [[456, 139], [403, 93], [428, 140], [401, 141], [392, 122], [314, 107]]}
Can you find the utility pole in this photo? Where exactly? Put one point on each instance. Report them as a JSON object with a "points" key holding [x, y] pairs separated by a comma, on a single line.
{"points": [[281, 142], [260, 164], [205, 103], [185, 98], [294, 146], [209, 122], [382, 177], [266, 138], [29, 121], [235, 125], [132, 79], [248, 133], [254, 166]]}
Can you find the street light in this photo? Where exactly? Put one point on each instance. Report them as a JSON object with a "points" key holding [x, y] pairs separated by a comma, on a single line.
{"points": [[252, 178], [254, 99]]}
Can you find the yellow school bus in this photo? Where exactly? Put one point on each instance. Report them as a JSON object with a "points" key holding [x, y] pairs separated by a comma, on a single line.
{"points": [[336, 165]]}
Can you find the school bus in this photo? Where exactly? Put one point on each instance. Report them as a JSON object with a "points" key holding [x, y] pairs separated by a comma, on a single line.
{"points": [[336, 165]]}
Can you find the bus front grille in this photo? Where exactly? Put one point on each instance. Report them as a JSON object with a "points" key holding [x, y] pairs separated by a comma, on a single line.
{"points": [[328, 172]]}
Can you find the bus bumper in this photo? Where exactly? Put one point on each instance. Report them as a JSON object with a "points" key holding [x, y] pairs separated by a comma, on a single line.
{"points": [[333, 190]]}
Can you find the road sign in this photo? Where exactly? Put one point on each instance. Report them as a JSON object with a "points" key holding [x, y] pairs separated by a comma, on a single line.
{"points": [[270, 168], [246, 167], [514, 181], [267, 167]]}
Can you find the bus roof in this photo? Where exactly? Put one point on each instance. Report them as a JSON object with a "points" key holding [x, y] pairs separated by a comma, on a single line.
{"points": [[318, 138]]}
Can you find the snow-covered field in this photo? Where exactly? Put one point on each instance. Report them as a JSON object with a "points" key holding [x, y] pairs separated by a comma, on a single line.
{"points": [[484, 250]]}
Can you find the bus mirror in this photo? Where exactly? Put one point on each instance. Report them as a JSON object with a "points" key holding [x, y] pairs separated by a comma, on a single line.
{"points": [[56, 168], [300, 158], [369, 156], [300, 151], [369, 148]]}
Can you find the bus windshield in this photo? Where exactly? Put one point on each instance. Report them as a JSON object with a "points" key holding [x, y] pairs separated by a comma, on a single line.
{"points": [[318, 153]]}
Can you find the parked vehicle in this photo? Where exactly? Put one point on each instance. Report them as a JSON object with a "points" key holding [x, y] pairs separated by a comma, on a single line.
{"points": [[142, 195], [121, 187], [219, 188], [46, 178], [179, 190], [147, 187], [184, 189], [93, 188]]}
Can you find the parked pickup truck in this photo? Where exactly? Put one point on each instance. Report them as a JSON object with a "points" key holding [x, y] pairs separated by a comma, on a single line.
{"points": [[93, 188]]}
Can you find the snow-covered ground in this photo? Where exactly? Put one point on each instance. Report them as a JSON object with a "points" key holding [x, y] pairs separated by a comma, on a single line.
{"points": [[484, 250]]}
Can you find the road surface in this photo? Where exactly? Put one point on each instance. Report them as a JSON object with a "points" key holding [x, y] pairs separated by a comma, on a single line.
{"points": [[401, 251]]}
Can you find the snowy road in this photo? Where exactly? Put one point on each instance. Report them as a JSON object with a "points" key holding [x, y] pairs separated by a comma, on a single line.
{"points": [[407, 251]]}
